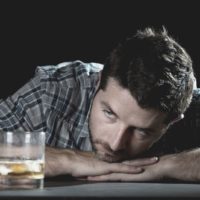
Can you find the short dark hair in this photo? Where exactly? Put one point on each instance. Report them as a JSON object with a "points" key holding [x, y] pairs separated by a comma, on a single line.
{"points": [[155, 69]]}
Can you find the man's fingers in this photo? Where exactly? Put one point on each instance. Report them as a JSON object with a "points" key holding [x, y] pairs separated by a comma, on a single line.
{"points": [[128, 167], [114, 177], [122, 177], [141, 161], [123, 168]]}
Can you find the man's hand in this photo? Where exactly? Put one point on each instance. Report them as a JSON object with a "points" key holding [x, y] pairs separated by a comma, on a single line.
{"points": [[182, 166], [85, 164], [150, 173]]}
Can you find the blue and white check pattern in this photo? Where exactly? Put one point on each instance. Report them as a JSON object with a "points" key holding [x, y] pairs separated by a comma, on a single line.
{"points": [[56, 100]]}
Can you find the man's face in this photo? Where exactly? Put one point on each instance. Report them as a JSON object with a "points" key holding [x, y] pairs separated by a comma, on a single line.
{"points": [[119, 127]]}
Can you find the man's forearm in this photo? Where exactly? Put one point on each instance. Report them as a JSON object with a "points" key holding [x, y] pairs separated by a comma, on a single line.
{"points": [[84, 164], [185, 165], [57, 161]]}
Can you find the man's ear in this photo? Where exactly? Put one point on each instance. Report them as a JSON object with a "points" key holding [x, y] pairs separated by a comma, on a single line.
{"points": [[176, 119]]}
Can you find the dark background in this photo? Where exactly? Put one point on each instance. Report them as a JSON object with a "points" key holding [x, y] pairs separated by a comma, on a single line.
{"points": [[39, 32]]}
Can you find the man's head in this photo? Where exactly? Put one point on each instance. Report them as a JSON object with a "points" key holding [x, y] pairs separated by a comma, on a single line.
{"points": [[146, 85]]}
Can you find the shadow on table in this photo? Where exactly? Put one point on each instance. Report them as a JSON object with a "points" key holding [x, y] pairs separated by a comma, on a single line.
{"points": [[62, 180], [67, 180]]}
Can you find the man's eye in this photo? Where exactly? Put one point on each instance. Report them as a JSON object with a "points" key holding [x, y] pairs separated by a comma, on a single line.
{"points": [[142, 132], [108, 113]]}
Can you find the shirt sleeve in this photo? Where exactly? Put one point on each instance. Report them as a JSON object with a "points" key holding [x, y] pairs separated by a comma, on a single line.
{"points": [[23, 110]]}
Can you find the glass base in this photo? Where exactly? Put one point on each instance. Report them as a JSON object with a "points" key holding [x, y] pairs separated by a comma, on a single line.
{"points": [[16, 183]]}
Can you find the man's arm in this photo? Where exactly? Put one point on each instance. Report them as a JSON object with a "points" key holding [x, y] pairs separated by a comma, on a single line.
{"points": [[182, 166], [23, 110], [84, 164]]}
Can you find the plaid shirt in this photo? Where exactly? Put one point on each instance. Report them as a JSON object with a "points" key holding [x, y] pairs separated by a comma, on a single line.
{"points": [[58, 98]]}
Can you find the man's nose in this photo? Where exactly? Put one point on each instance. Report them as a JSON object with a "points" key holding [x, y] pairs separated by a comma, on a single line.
{"points": [[119, 140]]}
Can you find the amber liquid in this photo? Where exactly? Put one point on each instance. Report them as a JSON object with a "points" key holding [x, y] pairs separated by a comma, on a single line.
{"points": [[21, 173]]}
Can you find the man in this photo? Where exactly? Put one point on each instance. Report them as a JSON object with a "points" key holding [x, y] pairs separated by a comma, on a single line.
{"points": [[113, 122]]}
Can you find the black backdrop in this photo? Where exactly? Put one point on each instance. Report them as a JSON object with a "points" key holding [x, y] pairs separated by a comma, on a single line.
{"points": [[39, 32]]}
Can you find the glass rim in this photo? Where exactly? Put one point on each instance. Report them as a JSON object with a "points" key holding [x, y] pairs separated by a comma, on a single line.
{"points": [[19, 131]]}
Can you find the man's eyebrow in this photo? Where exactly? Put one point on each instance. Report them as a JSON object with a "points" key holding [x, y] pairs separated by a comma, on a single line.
{"points": [[109, 107]]}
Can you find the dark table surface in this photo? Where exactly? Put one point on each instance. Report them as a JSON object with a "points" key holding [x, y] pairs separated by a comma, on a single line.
{"points": [[67, 188]]}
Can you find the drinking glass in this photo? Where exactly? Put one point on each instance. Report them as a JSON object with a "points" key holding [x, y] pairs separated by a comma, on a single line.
{"points": [[22, 159]]}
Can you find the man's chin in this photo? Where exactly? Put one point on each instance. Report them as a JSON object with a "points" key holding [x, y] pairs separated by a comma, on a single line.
{"points": [[109, 158]]}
